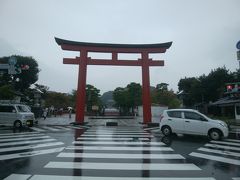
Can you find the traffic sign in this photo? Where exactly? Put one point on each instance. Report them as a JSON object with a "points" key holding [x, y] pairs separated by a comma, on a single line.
{"points": [[12, 60], [4, 66], [238, 45]]}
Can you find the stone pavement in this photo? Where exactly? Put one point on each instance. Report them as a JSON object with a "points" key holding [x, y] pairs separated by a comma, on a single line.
{"points": [[65, 120]]}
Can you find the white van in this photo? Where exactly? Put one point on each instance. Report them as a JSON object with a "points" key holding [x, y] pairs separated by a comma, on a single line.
{"points": [[17, 115]]}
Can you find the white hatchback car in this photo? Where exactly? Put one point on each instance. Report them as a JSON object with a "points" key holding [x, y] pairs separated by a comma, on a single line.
{"points": [[189, 121]]}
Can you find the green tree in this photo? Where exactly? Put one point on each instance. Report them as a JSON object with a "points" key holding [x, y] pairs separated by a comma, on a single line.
{"points": [[6, 92], [128, 98], [206, 88], [161, 95], [92, 97], [58, 100], [26, 78]]}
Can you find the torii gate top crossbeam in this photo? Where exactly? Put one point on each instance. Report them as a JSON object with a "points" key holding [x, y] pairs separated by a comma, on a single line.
{"points": [[120, 48], [144, 49]]}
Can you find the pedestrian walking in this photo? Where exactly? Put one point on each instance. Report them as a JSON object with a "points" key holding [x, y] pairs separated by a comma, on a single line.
{"points": [[45, 111]]}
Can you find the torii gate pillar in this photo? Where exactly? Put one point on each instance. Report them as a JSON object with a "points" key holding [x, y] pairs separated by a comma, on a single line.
{"points": [[114, 49]]}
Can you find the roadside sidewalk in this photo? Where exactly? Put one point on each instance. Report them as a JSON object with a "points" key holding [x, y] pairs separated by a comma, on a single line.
{"points": [[58, 120]]}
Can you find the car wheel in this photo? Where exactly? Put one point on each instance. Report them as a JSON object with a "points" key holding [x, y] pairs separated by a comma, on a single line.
{"points": [[166, 130], [17, 124], [215, 134]]}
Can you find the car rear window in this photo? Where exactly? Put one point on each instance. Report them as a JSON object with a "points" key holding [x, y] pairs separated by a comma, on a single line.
{"points": [[175, 114]]}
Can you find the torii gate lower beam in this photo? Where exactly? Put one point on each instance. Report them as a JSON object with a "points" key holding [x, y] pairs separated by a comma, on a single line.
{"points": [[114, 49]]}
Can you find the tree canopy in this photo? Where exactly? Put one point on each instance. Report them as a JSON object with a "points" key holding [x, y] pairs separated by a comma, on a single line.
{"points": [[206, 88], [19, 82]]}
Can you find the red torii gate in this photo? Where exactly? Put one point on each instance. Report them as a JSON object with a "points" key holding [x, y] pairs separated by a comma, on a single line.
{"points": [[114, 49]]}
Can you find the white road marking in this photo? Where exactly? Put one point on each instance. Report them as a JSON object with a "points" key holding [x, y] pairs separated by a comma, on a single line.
{"points": [[119, 143], [24, 135], [33, 146], [220, 152], [24, 138], [215, 158], [222, 146], [227, 143], [57, 177], [37, 129], [63, 128], [7, 134], [26, 142], [121, 156], [104, 148], [112, 135], [121, 166], [233, 140], [115, 133], [152, 128], [236, 178], [18, 177], [50, 128], [74, 127], [110, 138], [31, 153]]}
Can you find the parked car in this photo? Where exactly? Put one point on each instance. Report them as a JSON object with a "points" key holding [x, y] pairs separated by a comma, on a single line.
{"points": [[189, 121], [17, 115]]}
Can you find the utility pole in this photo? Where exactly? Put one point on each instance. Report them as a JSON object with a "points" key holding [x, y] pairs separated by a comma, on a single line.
{"points": [[238, 52]]}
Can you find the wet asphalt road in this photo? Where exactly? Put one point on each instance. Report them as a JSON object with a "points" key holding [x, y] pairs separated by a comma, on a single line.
{"points": [[122, 152]]}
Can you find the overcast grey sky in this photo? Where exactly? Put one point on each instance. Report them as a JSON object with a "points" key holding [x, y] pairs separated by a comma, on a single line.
{"points": [[204, 35]]}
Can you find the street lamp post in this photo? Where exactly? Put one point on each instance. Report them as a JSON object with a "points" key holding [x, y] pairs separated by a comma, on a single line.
{"points": [[238, 52]]}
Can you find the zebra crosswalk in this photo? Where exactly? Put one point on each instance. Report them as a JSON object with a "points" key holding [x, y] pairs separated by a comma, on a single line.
{"points": [[19, 145], [119, 154], [227, 151], [54, 128]]}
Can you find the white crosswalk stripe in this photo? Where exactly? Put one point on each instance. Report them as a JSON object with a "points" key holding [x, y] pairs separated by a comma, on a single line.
{"points": [[54, 177], [121, 166], [221, 151], [53, 128], [119, 148], [112, 138], [19, 145]]}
